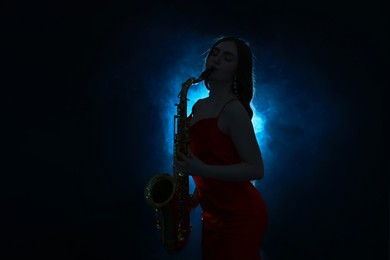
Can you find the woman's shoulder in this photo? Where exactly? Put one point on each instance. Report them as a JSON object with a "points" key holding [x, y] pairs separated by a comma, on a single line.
{"points": [[236, 109]]}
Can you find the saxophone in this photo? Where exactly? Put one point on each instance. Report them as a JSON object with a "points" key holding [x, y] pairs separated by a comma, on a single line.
{"points": [[169, 194]]}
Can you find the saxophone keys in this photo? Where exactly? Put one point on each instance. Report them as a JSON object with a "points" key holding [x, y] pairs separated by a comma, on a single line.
{"points": [[158, 221]]}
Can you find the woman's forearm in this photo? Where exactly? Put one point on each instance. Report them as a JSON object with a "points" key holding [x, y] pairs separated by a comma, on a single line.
{"points": [[235, 172]]}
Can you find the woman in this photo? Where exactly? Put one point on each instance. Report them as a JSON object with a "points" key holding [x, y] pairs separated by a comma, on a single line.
{"points": [[224, 157]]}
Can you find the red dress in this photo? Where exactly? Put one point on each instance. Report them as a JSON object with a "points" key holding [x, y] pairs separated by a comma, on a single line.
{"points": [[234, 214]]}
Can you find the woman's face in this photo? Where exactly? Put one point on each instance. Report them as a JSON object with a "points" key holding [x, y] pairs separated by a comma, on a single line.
{"points": [[224, 59]]}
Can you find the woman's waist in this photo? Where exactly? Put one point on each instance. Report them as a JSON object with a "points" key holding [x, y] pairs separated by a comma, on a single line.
{"points": [[253, 207], [234, 220], [222, 192]]}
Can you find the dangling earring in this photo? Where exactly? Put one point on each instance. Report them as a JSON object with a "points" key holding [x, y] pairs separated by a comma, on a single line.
{"points": [[235, 86]]}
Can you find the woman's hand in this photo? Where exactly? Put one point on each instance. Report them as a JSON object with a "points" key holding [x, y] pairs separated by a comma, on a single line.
{"points": [[189, 165]]}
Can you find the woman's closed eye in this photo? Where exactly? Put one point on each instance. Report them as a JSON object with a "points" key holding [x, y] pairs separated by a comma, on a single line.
{"points": [[228, 57]]}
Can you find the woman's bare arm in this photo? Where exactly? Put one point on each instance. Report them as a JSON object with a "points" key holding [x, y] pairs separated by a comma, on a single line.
{"points": [[244, 139]]}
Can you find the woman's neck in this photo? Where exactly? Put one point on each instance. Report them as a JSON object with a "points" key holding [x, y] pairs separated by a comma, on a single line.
{"points": [[220, 92]]}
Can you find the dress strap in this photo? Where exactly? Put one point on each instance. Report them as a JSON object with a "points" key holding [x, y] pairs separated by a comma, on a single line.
{"points": [[220, 112]]}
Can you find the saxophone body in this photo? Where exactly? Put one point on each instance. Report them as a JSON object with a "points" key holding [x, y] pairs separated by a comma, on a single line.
{"points": [[169, 194]]}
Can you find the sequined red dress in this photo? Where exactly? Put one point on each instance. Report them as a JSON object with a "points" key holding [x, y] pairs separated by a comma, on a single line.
{"points": [[234, 214]]}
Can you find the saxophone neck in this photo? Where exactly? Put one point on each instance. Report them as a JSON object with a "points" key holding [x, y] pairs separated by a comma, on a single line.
{"points": [[187, 84], [184, 89]]}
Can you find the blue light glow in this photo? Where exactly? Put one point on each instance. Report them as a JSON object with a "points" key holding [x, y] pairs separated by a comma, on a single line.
{"points": [[190, 63], [196, 92]]}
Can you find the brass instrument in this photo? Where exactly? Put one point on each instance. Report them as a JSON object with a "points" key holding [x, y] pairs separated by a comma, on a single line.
{"points": [[169, 194]]}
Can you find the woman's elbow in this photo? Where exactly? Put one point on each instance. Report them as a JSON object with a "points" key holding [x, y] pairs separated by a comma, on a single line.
{"points": [[259, 172], [260, 175]]}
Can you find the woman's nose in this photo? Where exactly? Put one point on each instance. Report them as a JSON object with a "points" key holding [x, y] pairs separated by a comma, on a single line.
{"points": [[217, 59]]}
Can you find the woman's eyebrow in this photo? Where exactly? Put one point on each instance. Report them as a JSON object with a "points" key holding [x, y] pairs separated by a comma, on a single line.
{"points": [[227, 52]]}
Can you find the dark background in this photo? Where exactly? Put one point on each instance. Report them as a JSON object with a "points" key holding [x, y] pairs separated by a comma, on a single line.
{"points": [[76, 156]]}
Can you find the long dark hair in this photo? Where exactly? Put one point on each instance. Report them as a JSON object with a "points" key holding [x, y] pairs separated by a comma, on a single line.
{"points": [[244, 76]]}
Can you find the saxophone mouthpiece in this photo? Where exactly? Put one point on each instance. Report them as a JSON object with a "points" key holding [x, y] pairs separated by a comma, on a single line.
{"points": [[203, 75], [206, 73]]}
